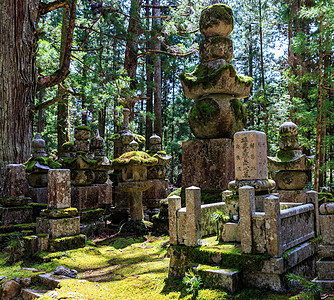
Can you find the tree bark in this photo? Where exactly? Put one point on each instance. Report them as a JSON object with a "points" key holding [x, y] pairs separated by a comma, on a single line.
{"points": [[18, 76]]}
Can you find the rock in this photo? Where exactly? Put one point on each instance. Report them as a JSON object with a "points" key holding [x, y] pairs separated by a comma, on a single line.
{"points": [[61, 270], [25, 282], [216, 19], [10, 289]]}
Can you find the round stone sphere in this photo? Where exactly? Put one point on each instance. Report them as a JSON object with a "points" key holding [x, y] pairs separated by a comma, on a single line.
{"points": [[288, 128], [217, 116], [216, 19], [216, 47]]}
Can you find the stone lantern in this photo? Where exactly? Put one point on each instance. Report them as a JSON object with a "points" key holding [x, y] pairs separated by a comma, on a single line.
{"points": [[133, 166]]}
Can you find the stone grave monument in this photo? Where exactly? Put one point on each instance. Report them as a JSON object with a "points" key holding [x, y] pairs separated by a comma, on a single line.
{"points": [[290, 165], [59, 225], [207, 161]]}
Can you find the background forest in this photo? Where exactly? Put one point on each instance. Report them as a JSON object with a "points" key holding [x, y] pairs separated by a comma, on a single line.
{"points": [[129, 54]]}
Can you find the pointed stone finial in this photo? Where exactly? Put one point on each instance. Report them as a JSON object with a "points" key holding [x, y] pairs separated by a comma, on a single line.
{"points": [[134, 145]]}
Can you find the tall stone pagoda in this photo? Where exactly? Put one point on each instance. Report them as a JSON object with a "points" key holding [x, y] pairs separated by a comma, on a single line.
{"points": [[217, 112]]}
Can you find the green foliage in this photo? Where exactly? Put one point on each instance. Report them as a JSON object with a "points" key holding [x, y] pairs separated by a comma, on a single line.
{"points": [[14, 248], [306, 285], [193, 283]]}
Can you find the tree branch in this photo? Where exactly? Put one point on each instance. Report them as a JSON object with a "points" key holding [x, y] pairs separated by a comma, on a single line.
{"points": [[167, 53], [48, 103], [62, 73], [44, 8]]}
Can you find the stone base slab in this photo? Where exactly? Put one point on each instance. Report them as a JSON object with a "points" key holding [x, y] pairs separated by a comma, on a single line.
{"points": [[208, 163], [58, 227], [67, 243], [16, 215], [220, 278]]}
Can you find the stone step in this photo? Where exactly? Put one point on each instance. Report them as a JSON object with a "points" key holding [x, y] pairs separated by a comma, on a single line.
{"points": [[51, 280], [219, 278], [325, 269], [31, 294]]}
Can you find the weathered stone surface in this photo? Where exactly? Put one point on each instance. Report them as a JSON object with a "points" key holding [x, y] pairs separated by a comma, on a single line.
{"points": [[229, 232], [216, 19], [67, 243], [50, 280], [38, 179], [292, 196], [193, 216], [246, 207], [250, 154], [91, 215], [327, 209], [30, 244], [81, 146], [259, 232], [15, 180], [326, 228], [326, 250], [207, 80], [208, 224], [174, 204], [159, 190], [104, 193], [214, 48], [32, 294], [42, 242], [58, 227], [207, 164], [299, 163], [291, 180], [16, 215], [60, 213], [217, 116], [85, 197], [82, 177], [81, 133], [10, 202], [61, 270], [100, 177], [10, 289], [325, 269], [260, 185], [156, 172], [59, 189], [272, 225], [134, 173], [38, 195], [219, 278]]}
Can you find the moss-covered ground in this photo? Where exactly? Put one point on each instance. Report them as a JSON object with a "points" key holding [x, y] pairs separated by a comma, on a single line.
{"points": [[120, 268]]}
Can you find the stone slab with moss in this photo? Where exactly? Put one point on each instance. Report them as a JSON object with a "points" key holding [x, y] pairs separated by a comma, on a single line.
{"points": [[17, 228], [60, 213], [133, 158], [66, 243], [10, 202], [16, 215], [41, 161], [91, 214], [206, 80]]}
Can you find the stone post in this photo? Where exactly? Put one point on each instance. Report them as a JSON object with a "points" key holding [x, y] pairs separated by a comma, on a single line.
{"points": [[246, 207], [15, 180], [59, 189], [174, 204], [136, 205], [193, 216], [273, 226], [312, 197]]}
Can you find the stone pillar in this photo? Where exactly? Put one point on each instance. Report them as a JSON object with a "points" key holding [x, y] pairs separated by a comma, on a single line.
{"points": [[15, 180], [273, 226], [59, 189], [193, 216], [136, 205], [312, 197], [246, 207], [174, 204]]}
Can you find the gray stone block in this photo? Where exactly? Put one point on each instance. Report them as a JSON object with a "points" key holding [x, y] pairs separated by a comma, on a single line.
{"points": [[58, 227]]}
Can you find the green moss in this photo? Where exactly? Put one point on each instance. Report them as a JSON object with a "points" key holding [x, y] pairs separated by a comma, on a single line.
{"points": [[205, 109], [37, 205], [213, 14], [60, 213], [134, 158], [239, 111], [71, 162], [17, 228], [325, 197], [66, 243], [45, 161], [83, 127], [115, 137], [68, 146], [244, 79], [91, 214], [139, 139], [175, 193], [42, 235]]}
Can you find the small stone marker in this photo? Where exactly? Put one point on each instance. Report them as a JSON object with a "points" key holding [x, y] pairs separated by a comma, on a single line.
{"points": [[250, 155], [15, 179], [193, 215], [174, 204], [59, 189]]}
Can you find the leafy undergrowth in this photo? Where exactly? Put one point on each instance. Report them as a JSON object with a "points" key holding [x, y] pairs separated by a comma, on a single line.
{"points": [[122, 268]]}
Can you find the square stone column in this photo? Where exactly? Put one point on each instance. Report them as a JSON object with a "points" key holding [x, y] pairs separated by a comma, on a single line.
{"points": [[273, 226], [193, 216], [250, 155], [246, 207], [15, 180], [174, 204], [59, 189], [312, 197]]}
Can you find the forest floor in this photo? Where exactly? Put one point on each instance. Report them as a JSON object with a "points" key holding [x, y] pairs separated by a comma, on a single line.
{"points": [[121, 268]]}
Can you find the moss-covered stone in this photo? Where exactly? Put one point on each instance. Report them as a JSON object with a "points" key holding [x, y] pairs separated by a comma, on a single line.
{"points": [[209, 80], [10, 202], [134, 158], [17, 228], [67, 243], [68, 146], [45, 161], [83, 127], [91, 214], [60, 213], [216, 47], [139, 139], [216, 19]]}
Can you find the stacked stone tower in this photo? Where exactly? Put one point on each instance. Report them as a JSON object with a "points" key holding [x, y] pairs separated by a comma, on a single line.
{"points": [[217, 112]]}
